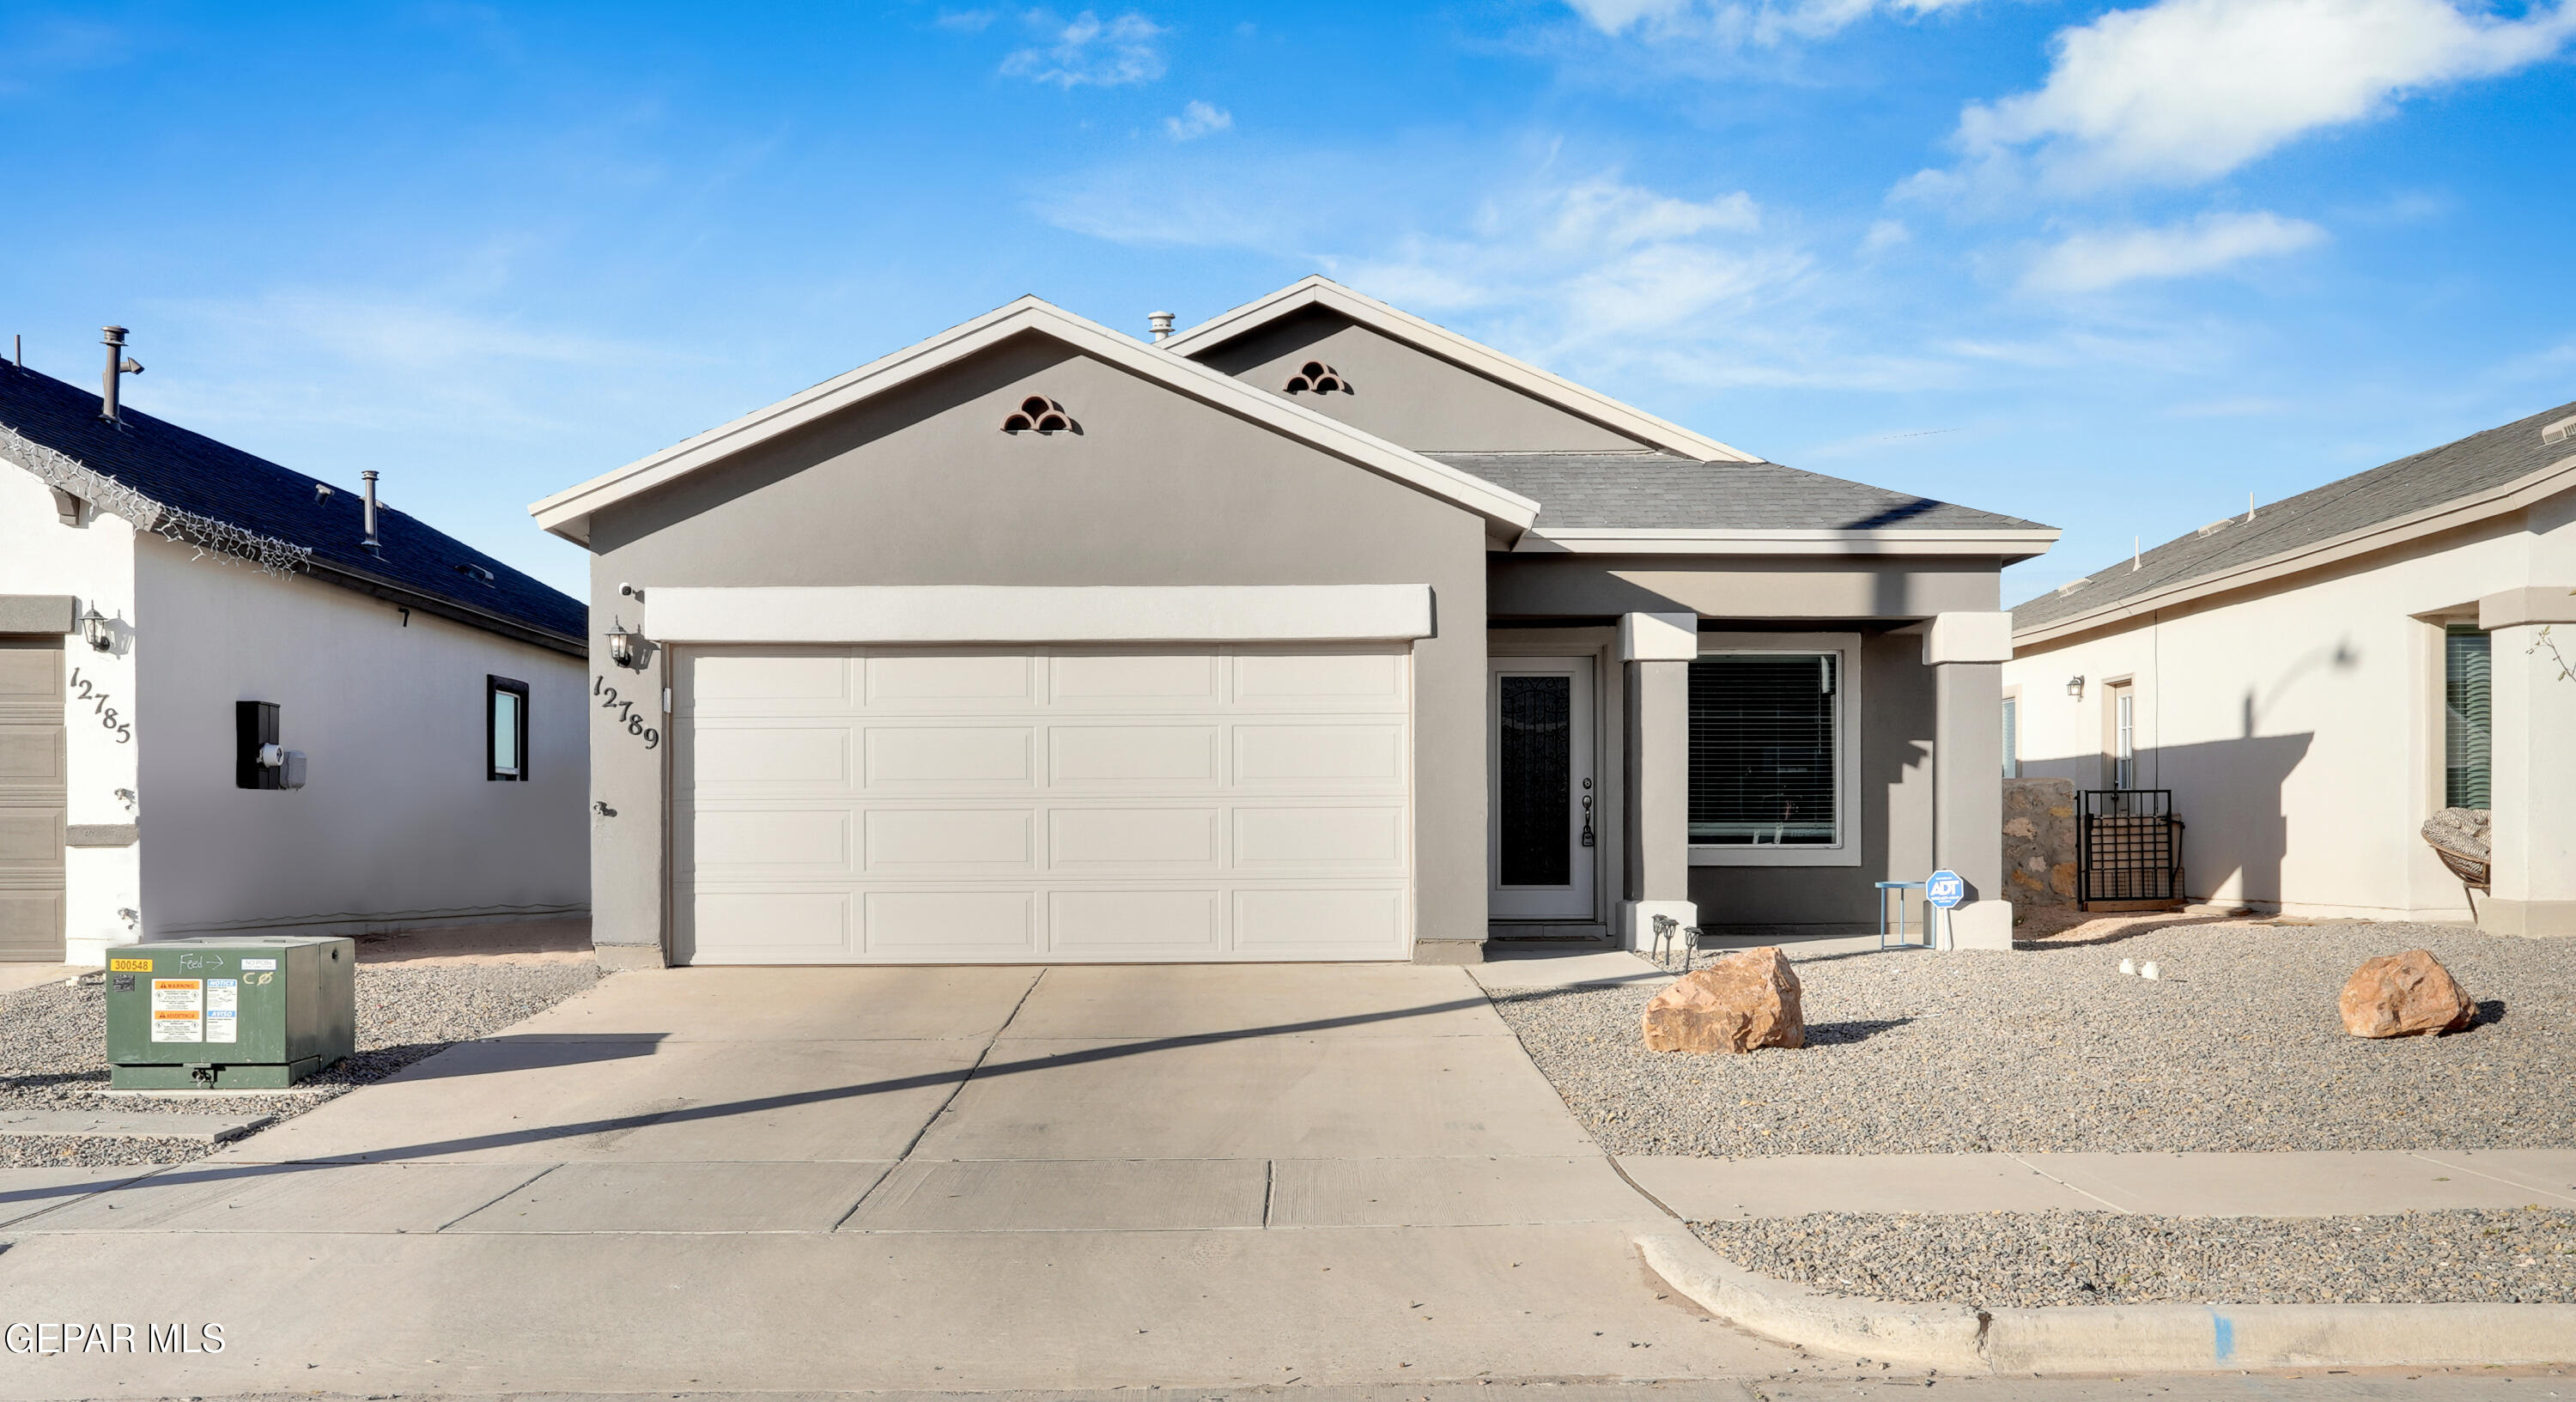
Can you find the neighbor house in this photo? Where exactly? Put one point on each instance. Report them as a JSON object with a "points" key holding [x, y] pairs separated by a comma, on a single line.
{"points": [[2314, 679], [1316, 632], [236, 697]]}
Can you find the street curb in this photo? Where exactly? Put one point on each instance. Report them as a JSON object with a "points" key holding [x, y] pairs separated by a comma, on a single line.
{"points": [[2113, 1338]]}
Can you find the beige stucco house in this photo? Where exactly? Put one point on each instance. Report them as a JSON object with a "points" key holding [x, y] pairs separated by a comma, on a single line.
{"points": [[1316, 632], [2315, 679]]}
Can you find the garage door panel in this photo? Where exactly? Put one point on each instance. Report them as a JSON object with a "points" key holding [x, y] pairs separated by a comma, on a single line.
{"points": [[1363, 923], [920, 840], [978, 680], [1134, 681], [743, 758], [967, 922], [741, 684], [1312, 679], [1093, 839], [774, 925], [1158, 923], [1319, 756], [927, 757], [805, 843], [1121, 756], [1100, 804], [1342, 838]]}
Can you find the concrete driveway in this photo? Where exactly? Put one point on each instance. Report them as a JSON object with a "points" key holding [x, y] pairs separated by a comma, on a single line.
{"points": [[900, 1178]]}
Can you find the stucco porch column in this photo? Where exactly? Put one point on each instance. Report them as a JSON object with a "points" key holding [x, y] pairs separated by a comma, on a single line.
{"points": [[2531, 650], [1966, 652], [1655, 652]]}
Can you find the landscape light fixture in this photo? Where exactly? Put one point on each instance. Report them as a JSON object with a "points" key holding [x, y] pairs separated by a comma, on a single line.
{"points": [[93, 626], [2075, 687]]}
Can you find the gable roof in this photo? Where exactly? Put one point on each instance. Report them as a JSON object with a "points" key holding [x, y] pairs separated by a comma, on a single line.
{"points": [[212, 495], [1658, 503], [1321, 291], [2484, 475], [567, 513]]}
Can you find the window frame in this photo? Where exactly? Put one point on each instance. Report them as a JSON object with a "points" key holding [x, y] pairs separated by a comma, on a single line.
{"points": [[2011, 737], [494, 687], [2444, 741], [1845, 850]]}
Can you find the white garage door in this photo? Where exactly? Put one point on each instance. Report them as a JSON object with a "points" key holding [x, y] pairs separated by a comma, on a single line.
{"points": [[873, 805]]}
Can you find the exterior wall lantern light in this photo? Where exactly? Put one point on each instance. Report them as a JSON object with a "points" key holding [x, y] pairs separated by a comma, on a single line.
{"points": [[625, 645], [93, 626], [2075, 687]]}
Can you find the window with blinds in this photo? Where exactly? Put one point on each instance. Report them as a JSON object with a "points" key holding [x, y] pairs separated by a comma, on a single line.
{"points": [[1762, 750], [2012, 737], [2466, 714]]}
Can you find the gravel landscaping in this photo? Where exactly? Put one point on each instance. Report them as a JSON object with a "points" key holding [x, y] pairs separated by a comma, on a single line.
{"points": [[2014, 1259], [53, 1050], [2051, 1048]]}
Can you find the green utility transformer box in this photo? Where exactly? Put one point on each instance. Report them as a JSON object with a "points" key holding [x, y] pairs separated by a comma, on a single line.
{"points": [[255, 1012]]}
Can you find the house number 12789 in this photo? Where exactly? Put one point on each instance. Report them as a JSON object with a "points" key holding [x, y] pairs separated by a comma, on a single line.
{"points": [[107, 716], [635, 726]]}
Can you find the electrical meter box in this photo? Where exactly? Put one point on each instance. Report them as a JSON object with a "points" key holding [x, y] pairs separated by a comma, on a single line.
{"points": [[237, 1012]]}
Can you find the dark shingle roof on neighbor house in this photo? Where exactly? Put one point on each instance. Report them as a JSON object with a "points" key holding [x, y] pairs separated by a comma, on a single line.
{"points": [[190, 472], [2478, 463], [1647, 490]]}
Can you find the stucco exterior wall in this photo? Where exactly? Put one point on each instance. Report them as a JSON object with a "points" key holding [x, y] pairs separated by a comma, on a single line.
{"points": [[1743, 588], [920, 486], [2299, 726], [1404, 394], [397, 824], [95, 564]]}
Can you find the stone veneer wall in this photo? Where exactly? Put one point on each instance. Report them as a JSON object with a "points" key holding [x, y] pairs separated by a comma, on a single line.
{"points": [[2039, 843]]}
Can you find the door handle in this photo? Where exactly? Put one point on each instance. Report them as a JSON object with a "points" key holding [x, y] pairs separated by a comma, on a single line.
{"points": [[1587, 812]]}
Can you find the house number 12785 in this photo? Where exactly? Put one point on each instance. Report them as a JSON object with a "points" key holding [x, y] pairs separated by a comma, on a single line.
{"points": [[635, 726], [107, 716]]}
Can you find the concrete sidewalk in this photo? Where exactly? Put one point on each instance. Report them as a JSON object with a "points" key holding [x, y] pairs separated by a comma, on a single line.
{"points": [[896, 1178]]}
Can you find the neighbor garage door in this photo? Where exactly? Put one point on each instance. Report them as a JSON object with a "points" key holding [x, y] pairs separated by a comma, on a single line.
{"points": [[867, 805]]}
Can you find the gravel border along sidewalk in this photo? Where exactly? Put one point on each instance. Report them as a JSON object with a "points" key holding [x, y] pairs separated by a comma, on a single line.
{"points": [[53, 1051], [2050, 1048], [2020, 1259]]}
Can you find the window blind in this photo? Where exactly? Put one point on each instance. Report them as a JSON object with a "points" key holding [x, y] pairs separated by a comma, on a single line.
{"points": [[2012, 737], [2467, 712], [1762, 752]]}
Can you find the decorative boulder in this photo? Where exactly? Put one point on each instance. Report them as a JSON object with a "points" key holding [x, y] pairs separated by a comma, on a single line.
{"points": [[2400, 995], [1742, 1001]]}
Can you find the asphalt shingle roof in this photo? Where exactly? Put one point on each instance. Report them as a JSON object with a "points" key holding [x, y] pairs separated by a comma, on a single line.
{"points": [[2477, 463], [1640, 491], [194, 473]]}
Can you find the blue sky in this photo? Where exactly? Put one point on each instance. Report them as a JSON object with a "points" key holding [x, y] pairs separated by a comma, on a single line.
{"points": [[2109, 268]]}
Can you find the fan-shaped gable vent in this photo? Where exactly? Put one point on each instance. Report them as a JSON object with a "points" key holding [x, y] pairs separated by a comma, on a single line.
{"points": [[1039, 414], [1315, 377]]}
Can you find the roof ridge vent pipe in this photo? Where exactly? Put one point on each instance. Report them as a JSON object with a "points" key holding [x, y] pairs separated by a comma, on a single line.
{"points": [[114, 340], [369, 477], [1160, 323]]}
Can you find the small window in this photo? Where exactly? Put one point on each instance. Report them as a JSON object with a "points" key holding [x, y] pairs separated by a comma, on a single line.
{"points": [[1764, 731], [2012, 737], [2124, 736], [2467, 714], [505, 729]]}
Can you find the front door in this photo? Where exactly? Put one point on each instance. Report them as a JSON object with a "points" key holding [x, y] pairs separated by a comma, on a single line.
{"points": [[1546, 805]]}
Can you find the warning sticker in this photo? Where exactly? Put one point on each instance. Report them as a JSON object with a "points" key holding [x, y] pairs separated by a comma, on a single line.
{"points": [[178, 1010], [223, 1009], [130, 966]]}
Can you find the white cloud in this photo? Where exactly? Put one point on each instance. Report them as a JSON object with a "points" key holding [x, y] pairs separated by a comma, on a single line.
{"points": [[1089, 50], [1198, 119], [1736, 23], [2100, 259], [1885, 234], [2184, 91]]}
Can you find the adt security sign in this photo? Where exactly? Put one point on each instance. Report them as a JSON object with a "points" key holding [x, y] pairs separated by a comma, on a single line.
{"points": [[1944, 889]]}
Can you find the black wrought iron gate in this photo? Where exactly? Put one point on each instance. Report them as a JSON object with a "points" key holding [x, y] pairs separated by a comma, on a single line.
{"points": [[2128, 848]]}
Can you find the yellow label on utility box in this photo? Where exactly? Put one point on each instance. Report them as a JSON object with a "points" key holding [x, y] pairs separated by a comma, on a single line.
{"points": [[130, 966]]}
